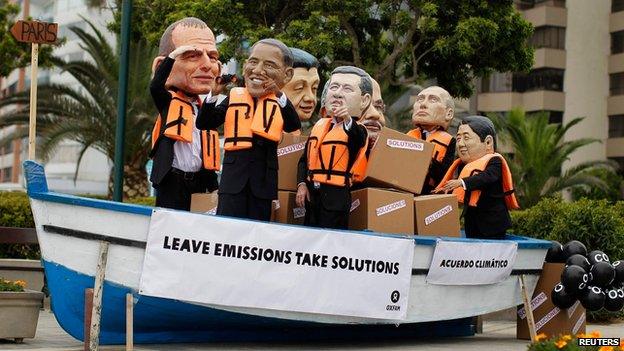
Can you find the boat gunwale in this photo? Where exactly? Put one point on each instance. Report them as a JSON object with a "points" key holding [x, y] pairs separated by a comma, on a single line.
{"points": [[37, 188]]}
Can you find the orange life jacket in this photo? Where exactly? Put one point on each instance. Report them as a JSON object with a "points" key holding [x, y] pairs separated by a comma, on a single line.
{"points": [[180, 128], [245, 118], [440, 139], [478, 166], [328, 155]]}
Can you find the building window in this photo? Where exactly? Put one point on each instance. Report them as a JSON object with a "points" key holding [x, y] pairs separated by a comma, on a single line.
{"points": [[549, 37], [555, 117], [539, 79], [7, 174], [496, 83], [616, 126], [617, 42], [616, 83], [617, 5]]}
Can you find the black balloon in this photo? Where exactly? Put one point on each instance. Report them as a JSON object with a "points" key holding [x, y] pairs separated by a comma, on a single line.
{"points": [[561, 298], [578, 260], [574, 279], [555, 253], [619, 272], [614, 299], [593, 298], [601, 274], [574, 247], [597, 256]]}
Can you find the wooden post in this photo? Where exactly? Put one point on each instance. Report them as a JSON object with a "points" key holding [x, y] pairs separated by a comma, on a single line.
{"points": [[96, 312], [527, 307], [129, 322], [32, 129], [88, 305]]}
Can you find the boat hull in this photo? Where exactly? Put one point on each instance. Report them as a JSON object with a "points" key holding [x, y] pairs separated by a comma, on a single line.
{"points": [[70, 229], [159, 320]]}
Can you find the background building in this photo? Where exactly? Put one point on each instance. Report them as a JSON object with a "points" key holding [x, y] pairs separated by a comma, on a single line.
{"points": [[95, 168], [578, 72]]}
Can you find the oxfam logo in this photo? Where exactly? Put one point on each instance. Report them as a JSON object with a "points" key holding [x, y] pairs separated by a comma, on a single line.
{"points": [[394, 297]]}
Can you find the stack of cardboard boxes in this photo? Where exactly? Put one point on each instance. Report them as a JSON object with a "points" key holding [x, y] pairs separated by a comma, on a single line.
{"points": [[397, 170], [289, 151], [389, 199]]}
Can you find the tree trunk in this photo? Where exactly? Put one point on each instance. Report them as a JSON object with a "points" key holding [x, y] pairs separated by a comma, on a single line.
{"points": [[135, 183]]}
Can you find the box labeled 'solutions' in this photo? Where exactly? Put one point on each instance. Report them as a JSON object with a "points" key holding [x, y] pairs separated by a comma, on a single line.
{"points": [[204, 202], [436, 215], [398, 161], [289, 151], [381, 210], [285, 209], [549, 319]]}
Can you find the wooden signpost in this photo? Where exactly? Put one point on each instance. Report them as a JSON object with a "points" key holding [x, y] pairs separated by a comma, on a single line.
{"points": [[36, 33]]}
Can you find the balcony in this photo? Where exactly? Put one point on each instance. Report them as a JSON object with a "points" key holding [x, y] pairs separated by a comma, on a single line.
{"points": [[546, 16], [530, 101], [615, 105], [503, 101], [543, 100], [551, 58], [616, 21], [615, 147], [616, 63]]}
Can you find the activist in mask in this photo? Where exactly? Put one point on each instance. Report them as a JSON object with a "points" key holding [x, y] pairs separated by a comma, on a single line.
{"points": [[432, 114], [255, 118], [484, 185], [334, 148], [185, 159]]}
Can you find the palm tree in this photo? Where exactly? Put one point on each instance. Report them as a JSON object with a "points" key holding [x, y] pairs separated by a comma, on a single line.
{"points": [[539, 151], [87, 113]]}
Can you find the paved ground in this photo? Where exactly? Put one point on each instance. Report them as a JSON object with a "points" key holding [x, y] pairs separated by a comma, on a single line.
{"points": [[497, 336]]}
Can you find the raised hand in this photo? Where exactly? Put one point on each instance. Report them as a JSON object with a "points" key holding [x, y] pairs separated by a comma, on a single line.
{"points": [[181, 50], [341, 112]]}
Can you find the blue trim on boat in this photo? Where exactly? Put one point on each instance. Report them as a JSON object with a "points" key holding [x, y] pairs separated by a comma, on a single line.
{"points": [[159, 320], [37, 188], [523, 241]]}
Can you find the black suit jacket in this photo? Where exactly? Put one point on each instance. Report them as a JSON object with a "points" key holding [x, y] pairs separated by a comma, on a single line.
{"points": [[490, 218], [335, 198], [437, 170], [162, 153], [256, 165]]}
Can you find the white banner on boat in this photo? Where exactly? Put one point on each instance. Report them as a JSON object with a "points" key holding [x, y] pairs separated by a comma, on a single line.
{"points": [[464, 263], [232, 262]]}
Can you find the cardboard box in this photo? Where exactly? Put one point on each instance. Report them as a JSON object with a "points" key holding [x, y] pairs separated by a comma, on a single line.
{"points": [[204, 202], [285, 209], [289, 151], [549, 319], [382, 210], [398, 161], [436, 215]]}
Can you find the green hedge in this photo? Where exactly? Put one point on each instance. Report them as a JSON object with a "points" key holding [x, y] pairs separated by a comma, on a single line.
{"points": [[15, 212], [596, 223]]}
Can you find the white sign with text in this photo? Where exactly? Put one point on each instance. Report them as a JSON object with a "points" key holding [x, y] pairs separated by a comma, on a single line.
{"points": [[233, 262], [476, 263]]}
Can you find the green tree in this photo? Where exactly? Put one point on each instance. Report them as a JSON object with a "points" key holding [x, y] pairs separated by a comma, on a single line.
{"points": [[397, 41], [539, 152], [14, 54], [87, 113], [613, 192]]}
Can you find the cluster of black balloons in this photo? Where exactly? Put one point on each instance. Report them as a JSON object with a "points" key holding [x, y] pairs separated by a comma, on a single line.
{"points": [[587, 277]]}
